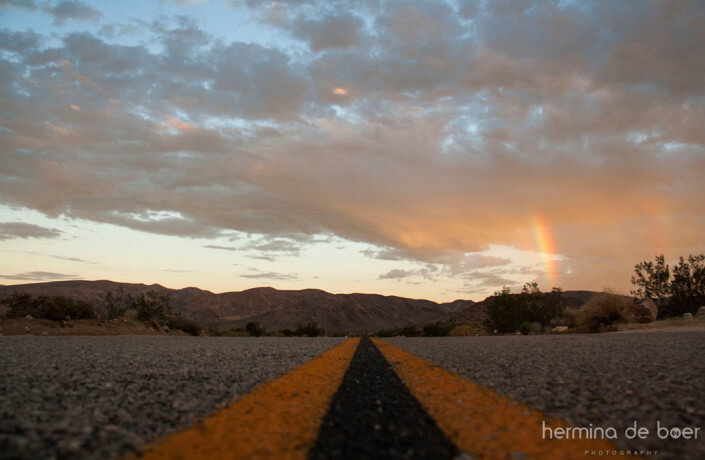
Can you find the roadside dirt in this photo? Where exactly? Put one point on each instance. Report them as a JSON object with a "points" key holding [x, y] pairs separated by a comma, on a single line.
{"points": [[23, 326], [681, 325]]}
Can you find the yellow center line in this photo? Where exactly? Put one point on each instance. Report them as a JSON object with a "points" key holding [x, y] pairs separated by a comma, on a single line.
{"points": [[478, 420], [280, 419]]}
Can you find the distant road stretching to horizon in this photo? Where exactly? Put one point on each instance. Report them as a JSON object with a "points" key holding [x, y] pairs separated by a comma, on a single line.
{"points": [[205, 397]]}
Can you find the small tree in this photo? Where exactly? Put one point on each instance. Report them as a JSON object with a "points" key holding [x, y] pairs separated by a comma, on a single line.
{"points": [[117, 304], [682, 293], [153, 305], [651, 279]]}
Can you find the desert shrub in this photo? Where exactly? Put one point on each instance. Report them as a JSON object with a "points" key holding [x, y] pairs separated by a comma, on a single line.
{"points": [[460, 331], [19, 305], [309, 330], [152, 305], [570, 318], [117, 304], [187, 325], [406, 331], [286, 332], [507, 311], [602, 310], [235, 332], [527, 328], [255, 329], [53, 308], [436, 330]]}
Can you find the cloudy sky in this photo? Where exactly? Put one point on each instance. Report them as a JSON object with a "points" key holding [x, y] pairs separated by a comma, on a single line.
{"points": [[424, 149]]}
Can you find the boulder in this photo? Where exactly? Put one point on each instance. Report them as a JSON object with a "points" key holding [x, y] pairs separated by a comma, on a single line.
{"points": [[560, 329], [701, 312], [653, 308], [29, 317], [688, 316], [637, 313]]}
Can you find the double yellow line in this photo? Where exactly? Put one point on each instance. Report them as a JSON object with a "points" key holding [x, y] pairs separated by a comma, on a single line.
{"points": [[282, 419]]}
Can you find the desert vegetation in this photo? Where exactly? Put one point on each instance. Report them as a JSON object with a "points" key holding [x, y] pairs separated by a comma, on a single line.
{"points": [[55, 308], [602, 311], [151, 307], [255, 329], [528, 311], [676, 290]]}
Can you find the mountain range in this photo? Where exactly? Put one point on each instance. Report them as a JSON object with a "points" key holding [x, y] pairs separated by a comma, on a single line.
{"points": [[274, 309], [280, 309]]}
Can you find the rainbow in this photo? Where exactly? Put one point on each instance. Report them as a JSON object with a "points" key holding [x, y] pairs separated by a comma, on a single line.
{"points": [[546, 246]]}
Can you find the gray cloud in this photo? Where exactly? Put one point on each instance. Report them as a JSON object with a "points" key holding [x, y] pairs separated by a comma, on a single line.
{"points": [[19, 4], [488, 280], [433, 134], [224, 248], [339, 31], [72, 10], [277, 246], [271, 276], [71, 259], [396, 274], [38, 276], [11, 230]]}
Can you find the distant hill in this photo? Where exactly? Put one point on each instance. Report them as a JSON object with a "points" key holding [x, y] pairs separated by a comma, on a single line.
{"points": [[274, 309]]}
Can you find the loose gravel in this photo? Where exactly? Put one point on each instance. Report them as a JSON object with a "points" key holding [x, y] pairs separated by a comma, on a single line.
{"points": [[609, 380], [103, 397]]}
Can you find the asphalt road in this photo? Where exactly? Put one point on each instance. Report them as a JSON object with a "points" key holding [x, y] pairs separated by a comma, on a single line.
{"points": [[374, 415], [101, 397], [603, 379]]}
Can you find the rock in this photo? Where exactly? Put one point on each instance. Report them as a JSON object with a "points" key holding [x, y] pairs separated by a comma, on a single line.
{"points": [[688, 316], [701, 311], [637, 313], [166, 329], [26, 329], [560, 329], [29, 317], [651, 305]]}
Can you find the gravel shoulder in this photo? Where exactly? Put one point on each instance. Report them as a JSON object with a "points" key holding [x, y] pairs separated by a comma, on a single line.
{"points": [[603, 379], [103, 397]]}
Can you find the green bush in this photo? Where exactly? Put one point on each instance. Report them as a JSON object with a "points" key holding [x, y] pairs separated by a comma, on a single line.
{"points": [[309, 330], [188, 326], [152, 305], [116, 305], [255, 329], [506, 311], [406, 331], [55, 308], [436, 330], [464, 330], [527, 328]]}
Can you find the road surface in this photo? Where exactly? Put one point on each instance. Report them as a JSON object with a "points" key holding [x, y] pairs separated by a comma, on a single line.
{"points": [[464, 397]]}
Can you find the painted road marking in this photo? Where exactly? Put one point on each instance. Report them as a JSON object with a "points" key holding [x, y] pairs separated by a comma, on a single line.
{"points": [[276, 420], [373, 415], [480, 421]]}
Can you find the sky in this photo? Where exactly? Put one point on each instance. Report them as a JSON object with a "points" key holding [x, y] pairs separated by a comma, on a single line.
{"points": [[427, 149]]}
